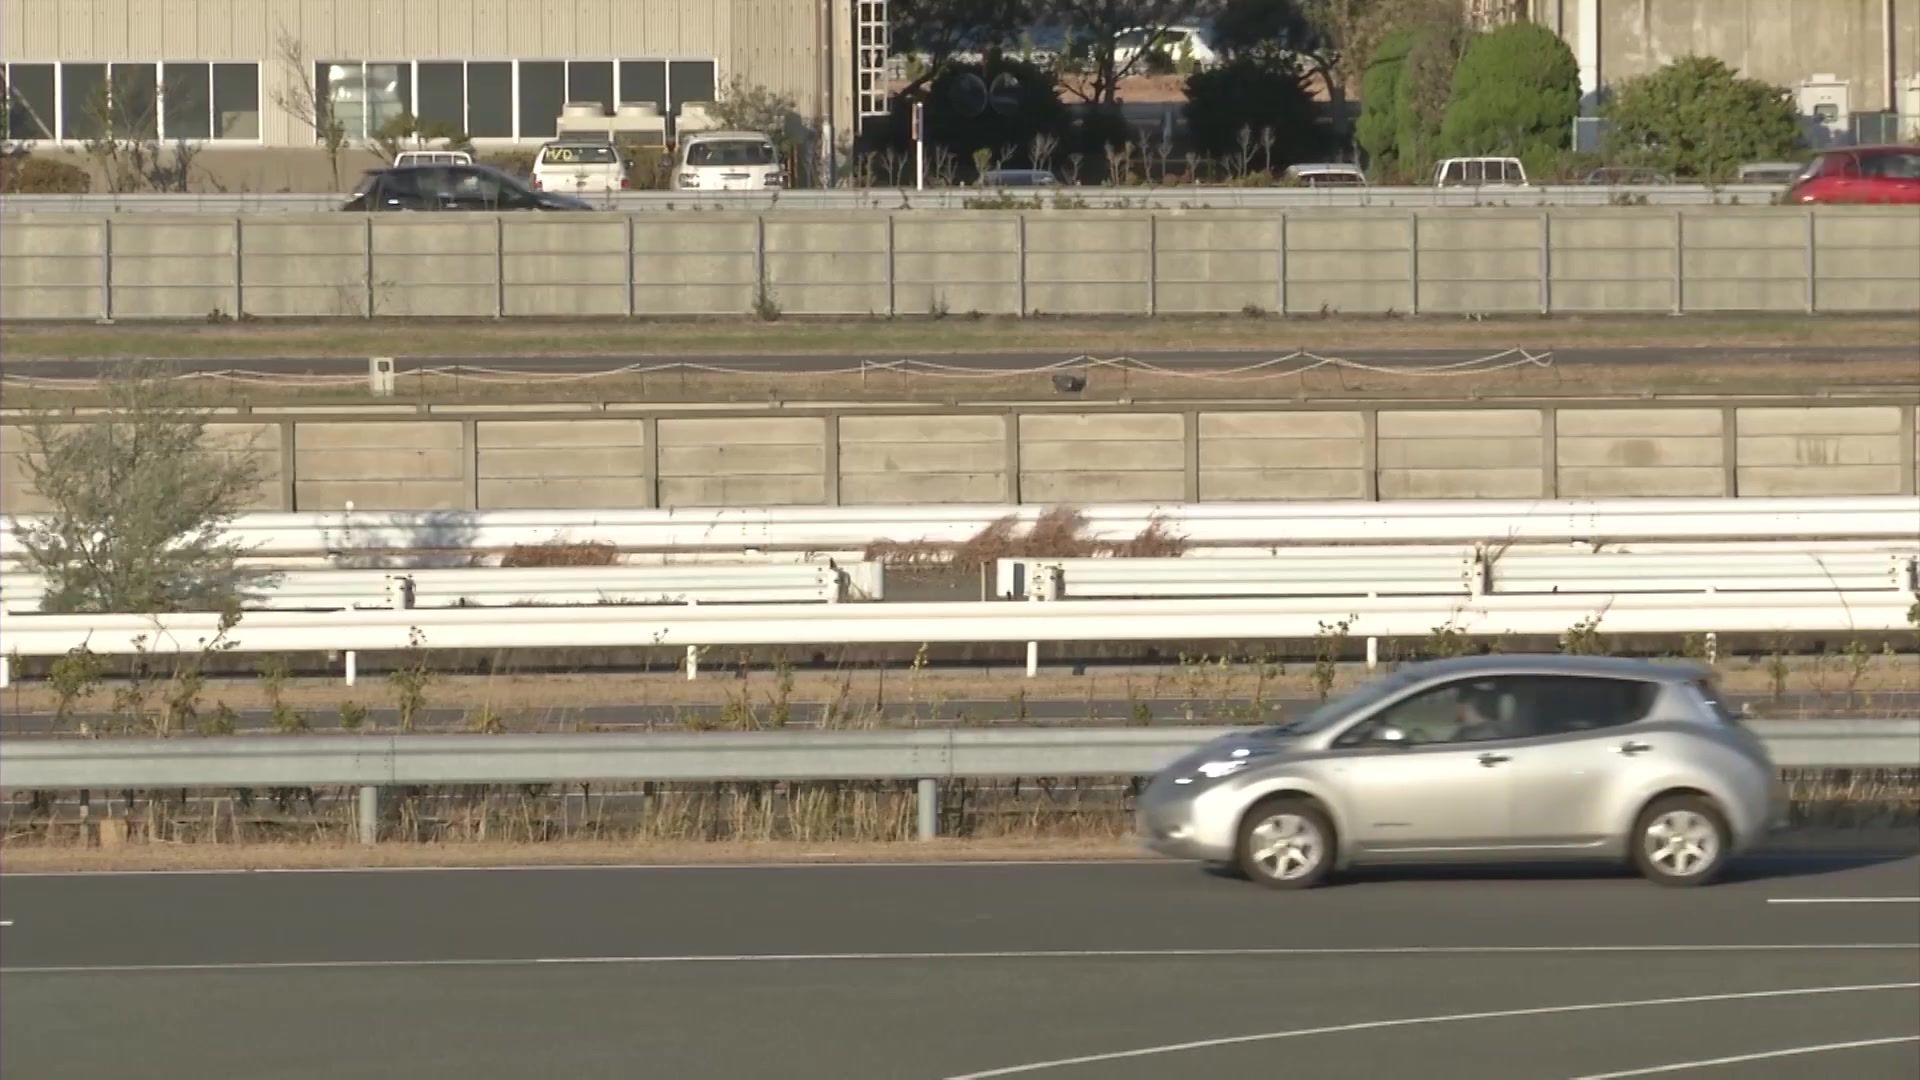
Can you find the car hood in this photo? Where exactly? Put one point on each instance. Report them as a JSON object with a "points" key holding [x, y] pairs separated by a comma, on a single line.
{"points": [[1233, 746]]}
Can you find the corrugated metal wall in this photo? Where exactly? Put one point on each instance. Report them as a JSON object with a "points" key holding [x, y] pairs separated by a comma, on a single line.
{"points": [[771, 42]]}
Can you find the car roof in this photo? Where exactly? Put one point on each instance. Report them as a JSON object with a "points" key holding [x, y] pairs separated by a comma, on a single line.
{"points": [[727, 134], [1616, 667]]}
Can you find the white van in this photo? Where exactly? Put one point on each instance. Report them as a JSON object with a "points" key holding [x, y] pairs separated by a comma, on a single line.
{"points": [[431, 157], [728, 161], [1480, 172], [575, 166]]}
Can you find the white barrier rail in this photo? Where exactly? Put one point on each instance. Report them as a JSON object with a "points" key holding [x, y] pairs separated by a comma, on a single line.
{"points": [[924, 757], [1258, 525], [1368, 618], [1335, 572], [770, 583]]}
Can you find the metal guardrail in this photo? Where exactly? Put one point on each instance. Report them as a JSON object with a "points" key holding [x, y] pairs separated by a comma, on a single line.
{"points": [[959, 198], [371, 762], [1252, 524], [311, 590], [788, 625], [1335, 572]]}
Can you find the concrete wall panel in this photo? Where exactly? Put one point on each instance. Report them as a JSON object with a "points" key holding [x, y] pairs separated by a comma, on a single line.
{"points": [[748, 461], [1620, 453], [415, 464], [1253, 456], [1099, 457], [1820, 451], [1449, 453]]}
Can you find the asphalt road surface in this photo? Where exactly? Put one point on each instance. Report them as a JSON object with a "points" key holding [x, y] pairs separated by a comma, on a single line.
{"points": [[1794, 967], [307, 365]]}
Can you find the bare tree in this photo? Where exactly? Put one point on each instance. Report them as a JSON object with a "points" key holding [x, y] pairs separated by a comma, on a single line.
{"points": [[297, 93], [139, 502]]}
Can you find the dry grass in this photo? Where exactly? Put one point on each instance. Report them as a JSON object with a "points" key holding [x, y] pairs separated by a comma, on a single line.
{"points": [[461, 339], [562, 553], [1300, 380], [1057, 533], [533, 701]]}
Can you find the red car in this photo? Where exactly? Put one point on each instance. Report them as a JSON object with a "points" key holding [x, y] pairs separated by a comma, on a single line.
{"points": [[1860, 174]]}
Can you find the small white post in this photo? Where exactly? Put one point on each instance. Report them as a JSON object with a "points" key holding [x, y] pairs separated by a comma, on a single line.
{"points": [[6, 673], [353, 666], [1373, 653], [1713, 649], [693, 662], [369, 814], [1033, 659], [927, 800]]}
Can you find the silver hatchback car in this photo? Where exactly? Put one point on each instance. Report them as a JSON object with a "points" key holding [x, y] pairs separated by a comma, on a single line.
{"points": [[1480, 759]]}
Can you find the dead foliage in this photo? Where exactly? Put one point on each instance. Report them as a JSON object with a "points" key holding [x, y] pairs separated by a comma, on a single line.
{"points": [[562, 553], [1058, 533]]}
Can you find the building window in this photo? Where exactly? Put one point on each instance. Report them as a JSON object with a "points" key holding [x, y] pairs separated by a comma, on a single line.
{"points": [[236, 101], [133, 102], [543, 91], [490, 100], [443, 94], [591, 81], [31, 110], [83, 101], [689, 80], [644, 81], [363, 96]]}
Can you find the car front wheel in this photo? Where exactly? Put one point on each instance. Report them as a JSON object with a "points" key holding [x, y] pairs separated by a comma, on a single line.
{"points": [[1286, 843], [1681, 840]]}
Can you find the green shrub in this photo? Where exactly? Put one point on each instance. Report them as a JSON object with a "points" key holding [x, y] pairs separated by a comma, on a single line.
{"points": [[1698, 118], [30, 175], [1379, 95], [1515, 93], [1426, 86]]}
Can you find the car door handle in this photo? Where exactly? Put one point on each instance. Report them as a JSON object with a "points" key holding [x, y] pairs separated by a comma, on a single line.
{"points": [[1489, 760], [1632, 747]]}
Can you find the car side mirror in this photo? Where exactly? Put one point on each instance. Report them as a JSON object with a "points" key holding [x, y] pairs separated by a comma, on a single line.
{"points": [[1390, 736]]}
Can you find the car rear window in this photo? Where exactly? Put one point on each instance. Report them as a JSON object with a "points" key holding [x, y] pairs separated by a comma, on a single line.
{"points": [[730, 152], [578, 155]]}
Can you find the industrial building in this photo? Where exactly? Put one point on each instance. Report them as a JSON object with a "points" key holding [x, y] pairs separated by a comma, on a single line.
{"points": [[232, 74]]}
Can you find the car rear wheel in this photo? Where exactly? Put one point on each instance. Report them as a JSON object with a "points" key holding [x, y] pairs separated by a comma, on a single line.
{"points": [[1286, 843], [1681, 840]]}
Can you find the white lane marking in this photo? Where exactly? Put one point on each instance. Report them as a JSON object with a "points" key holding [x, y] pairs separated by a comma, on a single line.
{"points": [[1845, 900], [1425, 1021], [1792, 1051], [1009, 954]]}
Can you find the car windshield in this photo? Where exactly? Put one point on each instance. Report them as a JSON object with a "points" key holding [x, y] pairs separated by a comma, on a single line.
{"points": [[730, 152], [578, 155], [1334, 710]]}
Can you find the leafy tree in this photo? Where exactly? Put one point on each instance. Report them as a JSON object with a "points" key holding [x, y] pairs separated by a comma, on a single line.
{"points": [[1379, 98], [1007, 138], [1440, 38], [942, 29], [1350, 31], [1258, 113], [1103, 21], [138, 505], [1515, 93], [1697, 117]]}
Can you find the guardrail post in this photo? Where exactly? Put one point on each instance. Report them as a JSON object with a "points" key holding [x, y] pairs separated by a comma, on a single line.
{"points": [[693, 662], [6, 673], [1813, 273], [369, 815], [1373, 653], [353, 666], [1033, 659], [106, 269], [927, 799]]}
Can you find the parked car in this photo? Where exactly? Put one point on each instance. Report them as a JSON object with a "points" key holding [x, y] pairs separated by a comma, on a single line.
{"points": [[1480, 760], [1018, 178], [1480, 172], [1860, 174], [728, 161], [1769, 172], [1192, 39], [580, 165], [452, 187], [1325, 174]]}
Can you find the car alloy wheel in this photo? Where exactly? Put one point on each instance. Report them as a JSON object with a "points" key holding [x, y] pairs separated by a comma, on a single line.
{"points": [[1681, 841], [1285, 844]]}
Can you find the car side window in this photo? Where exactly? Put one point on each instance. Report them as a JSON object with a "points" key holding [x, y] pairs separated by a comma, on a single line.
{"points": [[1575, 704], [1463, 711]]}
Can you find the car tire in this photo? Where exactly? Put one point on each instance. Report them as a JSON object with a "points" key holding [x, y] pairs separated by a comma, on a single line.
{"points": [[1681, 841], [1285, 842]]}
